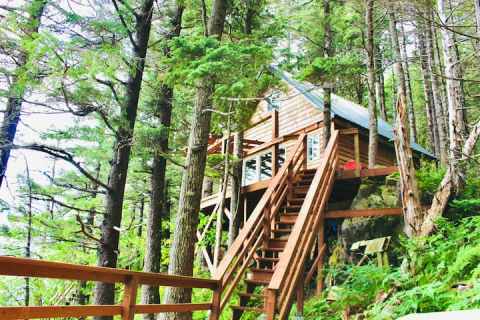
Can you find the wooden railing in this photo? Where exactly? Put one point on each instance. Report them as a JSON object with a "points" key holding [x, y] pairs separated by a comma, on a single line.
{"points": [[10, 266], [257, 228], [289, 270]]}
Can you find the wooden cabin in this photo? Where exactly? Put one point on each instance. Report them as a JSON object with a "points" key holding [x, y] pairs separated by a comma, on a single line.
{"points": [[283, 114]]}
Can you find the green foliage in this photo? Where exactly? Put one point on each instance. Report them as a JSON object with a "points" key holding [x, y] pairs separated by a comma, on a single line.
{"points": [[440, 272]]}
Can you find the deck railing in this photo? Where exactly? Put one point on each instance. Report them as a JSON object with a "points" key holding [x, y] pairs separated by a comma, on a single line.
{"points": [[10, 266], [290, 268], [257, 228]]}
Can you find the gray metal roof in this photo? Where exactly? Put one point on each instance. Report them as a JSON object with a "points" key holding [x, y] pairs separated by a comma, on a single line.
{"points": [[344, 108]]}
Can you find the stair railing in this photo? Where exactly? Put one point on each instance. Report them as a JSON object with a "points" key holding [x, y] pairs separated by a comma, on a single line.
{"points": [[256, 230], [290, 267]]}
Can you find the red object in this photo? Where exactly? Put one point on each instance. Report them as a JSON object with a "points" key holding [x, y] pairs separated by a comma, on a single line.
{"points": [[352, 165]]}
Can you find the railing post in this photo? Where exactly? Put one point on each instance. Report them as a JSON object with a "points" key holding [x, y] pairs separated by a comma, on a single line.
{"points": [[321, 243], [129, 298], [304, 153], [300, 296], [216, 302], [266, 223], [270, 304], [356, 142], [275, 132]]}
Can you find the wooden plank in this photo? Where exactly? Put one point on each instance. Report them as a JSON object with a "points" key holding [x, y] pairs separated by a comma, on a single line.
{"points": [[348, 131], [21, 267], [129, 299], [179, 307], [380, 212], [15, 313], [365, 173]]}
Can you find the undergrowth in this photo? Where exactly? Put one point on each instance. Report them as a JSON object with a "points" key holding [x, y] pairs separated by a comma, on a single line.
{"points": [[440, 272]]}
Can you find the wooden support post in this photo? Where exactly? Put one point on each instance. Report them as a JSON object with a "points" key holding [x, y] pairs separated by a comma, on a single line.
{"points": [[129, 298], [304, 153], [266, 223], [275, 133], [300, 296], [270, 304], [356, 142], [321, 252], [216, 302]]}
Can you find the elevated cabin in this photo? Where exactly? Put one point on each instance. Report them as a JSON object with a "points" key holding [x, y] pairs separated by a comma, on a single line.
{"points": [[282, 116]]}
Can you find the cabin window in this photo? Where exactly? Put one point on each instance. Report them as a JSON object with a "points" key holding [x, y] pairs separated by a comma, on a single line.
{"points": [[266, 166], [281, 156], [313, 147], [250, 171], [273, 101]]}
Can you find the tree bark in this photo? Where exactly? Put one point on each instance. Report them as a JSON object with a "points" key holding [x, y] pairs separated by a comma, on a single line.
{"points": [[437, 92], [380, 83], [11, 118], [412, 210], [456, 120], [183, 245], [327, 91], [372, 108], [408, 86], [108, 251], [236, 198], [432, 130], [158, 206]]}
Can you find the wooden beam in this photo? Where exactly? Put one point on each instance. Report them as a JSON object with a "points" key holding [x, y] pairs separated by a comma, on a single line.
{"points": [[15, 313], [21, 267], [365, 173], [380, 212], [275, 133], [180, 307], [348, 131]]}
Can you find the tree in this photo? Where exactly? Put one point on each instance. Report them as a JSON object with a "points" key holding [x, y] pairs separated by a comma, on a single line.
{"points": [[183, 245], [328, 53], [162, 110], [18, 79], [372, 108], [108, 252]]}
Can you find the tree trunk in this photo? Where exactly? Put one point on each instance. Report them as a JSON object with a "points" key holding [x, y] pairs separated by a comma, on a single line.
{"points": [[477, 20], [16, 90], [413, 213], [327, 91], [372, 108], [108, 251], [399, 73], [412, 210], [432, 131], [183, 245], [380, 83], [28, 245], [408, 86], [236, 198], [437, 92], [456, 120], [163, 111]]}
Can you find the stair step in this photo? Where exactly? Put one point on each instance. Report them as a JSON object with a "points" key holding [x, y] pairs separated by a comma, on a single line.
{"points": [[297, 201], [252, 295], [288, 218], [248, 309], [277, 243], [257, 282], [268, 259], [282, 230], [260, 274]]}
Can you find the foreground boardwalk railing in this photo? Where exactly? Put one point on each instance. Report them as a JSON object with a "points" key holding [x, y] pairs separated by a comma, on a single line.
{"points": [[10, 266]]}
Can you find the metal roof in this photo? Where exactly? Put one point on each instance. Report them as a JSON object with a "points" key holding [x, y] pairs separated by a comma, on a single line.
{"points": [[343, 108]]}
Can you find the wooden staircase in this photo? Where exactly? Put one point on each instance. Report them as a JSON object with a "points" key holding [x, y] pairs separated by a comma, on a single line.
{"points": [[265, 264], [265, 260]]}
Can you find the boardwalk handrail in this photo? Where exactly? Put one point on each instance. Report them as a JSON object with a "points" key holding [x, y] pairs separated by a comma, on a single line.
{"points": [[257, 228], [21, 267], [289, 269]]}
